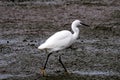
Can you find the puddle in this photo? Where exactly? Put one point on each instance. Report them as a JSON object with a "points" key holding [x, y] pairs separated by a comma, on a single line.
{"points": [[2, 41], [97, 73], [3, 63], [5, 76], [88, 41], [8, 76]]}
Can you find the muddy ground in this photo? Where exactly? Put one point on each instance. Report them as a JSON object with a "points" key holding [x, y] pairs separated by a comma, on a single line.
{"points": [[25, 25]]}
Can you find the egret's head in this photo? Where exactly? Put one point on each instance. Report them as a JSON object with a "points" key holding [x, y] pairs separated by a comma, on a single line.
{"points": [[78, 22]]}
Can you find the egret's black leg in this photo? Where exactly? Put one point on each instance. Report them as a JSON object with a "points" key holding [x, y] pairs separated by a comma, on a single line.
{"points": [[62, 64], [47, 60], [43, 69], [12, 0]]}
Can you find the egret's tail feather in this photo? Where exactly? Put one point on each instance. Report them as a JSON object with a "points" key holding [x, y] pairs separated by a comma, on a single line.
{"points": [[42, 46]]}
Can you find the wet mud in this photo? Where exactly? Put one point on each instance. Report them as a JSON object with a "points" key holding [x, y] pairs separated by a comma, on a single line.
{"points": [[25, 25]]}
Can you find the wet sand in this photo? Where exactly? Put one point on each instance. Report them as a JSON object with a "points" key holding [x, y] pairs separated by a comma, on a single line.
{"points": [[24, 26]]}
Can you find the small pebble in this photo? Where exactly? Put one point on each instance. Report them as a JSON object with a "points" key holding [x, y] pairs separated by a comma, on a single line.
{"points": [[31, 41], [24, 40], [7, 41]]}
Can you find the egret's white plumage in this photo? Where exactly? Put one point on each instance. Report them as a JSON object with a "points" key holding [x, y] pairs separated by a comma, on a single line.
{"points": [[62, 39]]}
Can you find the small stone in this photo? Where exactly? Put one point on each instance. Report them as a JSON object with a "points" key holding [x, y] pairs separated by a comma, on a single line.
{"points": [[79, 49], [24, 40], [7, 41], [32, 44]]}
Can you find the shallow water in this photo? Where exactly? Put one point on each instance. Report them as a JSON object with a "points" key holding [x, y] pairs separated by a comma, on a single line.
{"points": [[93, 73]]}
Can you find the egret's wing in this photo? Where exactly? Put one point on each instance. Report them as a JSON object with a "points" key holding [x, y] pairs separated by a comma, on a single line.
{"points": [[59, 35], [59, 39]]}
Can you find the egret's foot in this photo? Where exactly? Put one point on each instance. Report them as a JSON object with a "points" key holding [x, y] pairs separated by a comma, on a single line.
{"points": [[43, 72], [66, 73]]}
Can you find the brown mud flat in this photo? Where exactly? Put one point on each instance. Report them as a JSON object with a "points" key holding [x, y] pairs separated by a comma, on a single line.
{"points": [[95, 55]]}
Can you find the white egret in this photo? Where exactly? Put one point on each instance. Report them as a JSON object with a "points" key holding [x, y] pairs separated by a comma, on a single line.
{"points": [[61, 40]]}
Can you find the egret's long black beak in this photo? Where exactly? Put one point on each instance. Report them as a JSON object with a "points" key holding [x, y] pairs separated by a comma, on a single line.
{"points": [[85, 24]]}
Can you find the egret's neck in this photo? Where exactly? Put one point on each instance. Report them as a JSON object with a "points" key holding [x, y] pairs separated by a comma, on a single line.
{"points": [[75, 30]]}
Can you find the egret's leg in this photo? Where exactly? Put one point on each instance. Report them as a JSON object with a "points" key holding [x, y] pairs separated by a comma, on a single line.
{"points": [[43, 69], [47, 60], [63, 65]]}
